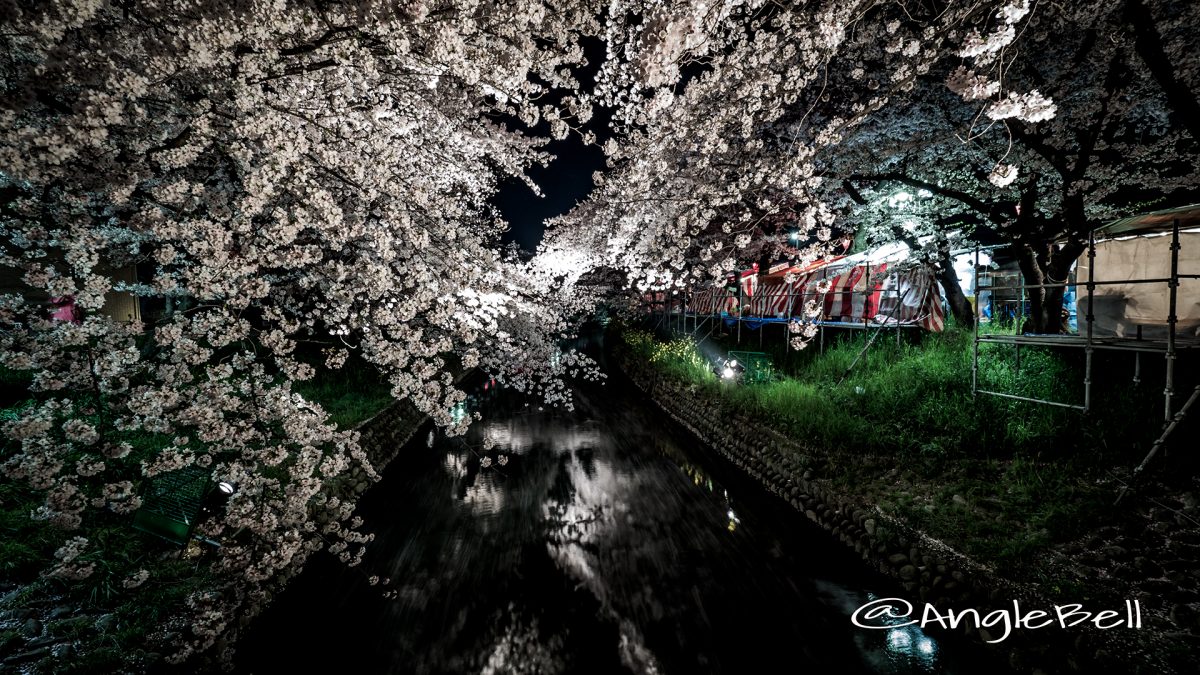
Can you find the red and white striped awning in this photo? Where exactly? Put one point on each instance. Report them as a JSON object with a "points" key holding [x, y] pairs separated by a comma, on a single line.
{"points": [[773, 299], [883, 293], [874, 293], [876, 287]]}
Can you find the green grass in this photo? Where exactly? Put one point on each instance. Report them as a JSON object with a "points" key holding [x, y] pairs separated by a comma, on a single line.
{"points": [[914, 399], [1008, 510], [350, 395], [897, 424], [677, 358]]}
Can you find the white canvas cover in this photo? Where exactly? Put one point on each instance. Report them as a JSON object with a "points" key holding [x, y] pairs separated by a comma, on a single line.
{"points": [[1120, 308]]}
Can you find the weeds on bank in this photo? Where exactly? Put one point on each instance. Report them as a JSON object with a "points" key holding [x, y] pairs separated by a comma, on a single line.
{"points": [[350, 395], [997, 477]]}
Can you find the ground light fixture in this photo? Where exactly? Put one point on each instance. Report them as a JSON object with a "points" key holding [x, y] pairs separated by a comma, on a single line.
{"points": [[217, 499], [730, 370]]}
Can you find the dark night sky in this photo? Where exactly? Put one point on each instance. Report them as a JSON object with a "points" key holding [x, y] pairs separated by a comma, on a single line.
{"points": [[565, 182]]}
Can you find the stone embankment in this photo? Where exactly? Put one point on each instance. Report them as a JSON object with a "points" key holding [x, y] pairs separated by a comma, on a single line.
{"points": [[382, 437], [927, 570]]}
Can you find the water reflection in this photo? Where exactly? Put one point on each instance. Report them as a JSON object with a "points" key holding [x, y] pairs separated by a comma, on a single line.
{"points": [[903, 648], [596, 541], [909, 643]]}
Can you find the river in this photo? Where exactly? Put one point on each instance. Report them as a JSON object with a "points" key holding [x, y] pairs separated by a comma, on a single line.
{"points": [[609, 541]]}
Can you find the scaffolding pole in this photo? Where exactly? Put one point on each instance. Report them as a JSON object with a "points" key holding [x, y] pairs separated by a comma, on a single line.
{"points": [[1172, 319], [739, 310], [975, 345], [871, 341], [787, 327], [866, 294], [1178, 417], [1031, 400], [1091, 318], [1170, 347]]}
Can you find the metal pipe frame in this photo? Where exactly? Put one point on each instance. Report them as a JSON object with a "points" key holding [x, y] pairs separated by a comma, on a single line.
{"points": [[1163, 280], [1172, 320], [1170, 427], [1072, 406], [1091, 320], [1090, 343], [1144, 346], [975, 323]]}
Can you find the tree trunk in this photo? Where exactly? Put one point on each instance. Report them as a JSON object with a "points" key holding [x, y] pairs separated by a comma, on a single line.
{"points": [[960, 307], [1031, 275], [1058, 268], [1050, 265], [1051, 320]]}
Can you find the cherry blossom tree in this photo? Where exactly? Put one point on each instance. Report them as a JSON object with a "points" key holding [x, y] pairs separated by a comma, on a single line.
{"points": [[281, 172], [1013, 173], [299, 171], [729, 114]]}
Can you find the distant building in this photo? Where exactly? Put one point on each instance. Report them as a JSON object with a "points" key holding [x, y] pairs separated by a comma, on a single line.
{"points": [[120, 305]]}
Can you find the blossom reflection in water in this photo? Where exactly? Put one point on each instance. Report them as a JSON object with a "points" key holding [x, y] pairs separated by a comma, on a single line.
{"points": [[597, 540]]}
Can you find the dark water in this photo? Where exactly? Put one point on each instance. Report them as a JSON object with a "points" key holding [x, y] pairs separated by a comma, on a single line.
{"points": [[609, 542]]}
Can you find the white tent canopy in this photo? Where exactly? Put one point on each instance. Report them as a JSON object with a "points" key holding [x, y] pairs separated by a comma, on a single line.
{"points": [[1140, 248]]}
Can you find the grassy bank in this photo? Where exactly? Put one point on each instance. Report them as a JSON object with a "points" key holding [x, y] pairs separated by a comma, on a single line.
{"points": [[351, 395], [996, 478]]}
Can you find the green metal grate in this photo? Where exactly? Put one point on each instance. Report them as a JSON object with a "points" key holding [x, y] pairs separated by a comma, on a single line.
{"points": [[758, 366], [172, 503]]}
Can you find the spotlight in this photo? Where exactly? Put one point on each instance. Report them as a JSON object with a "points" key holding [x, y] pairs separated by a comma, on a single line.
{"points": [[732, 363], [727, 373], [215, 500]]}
